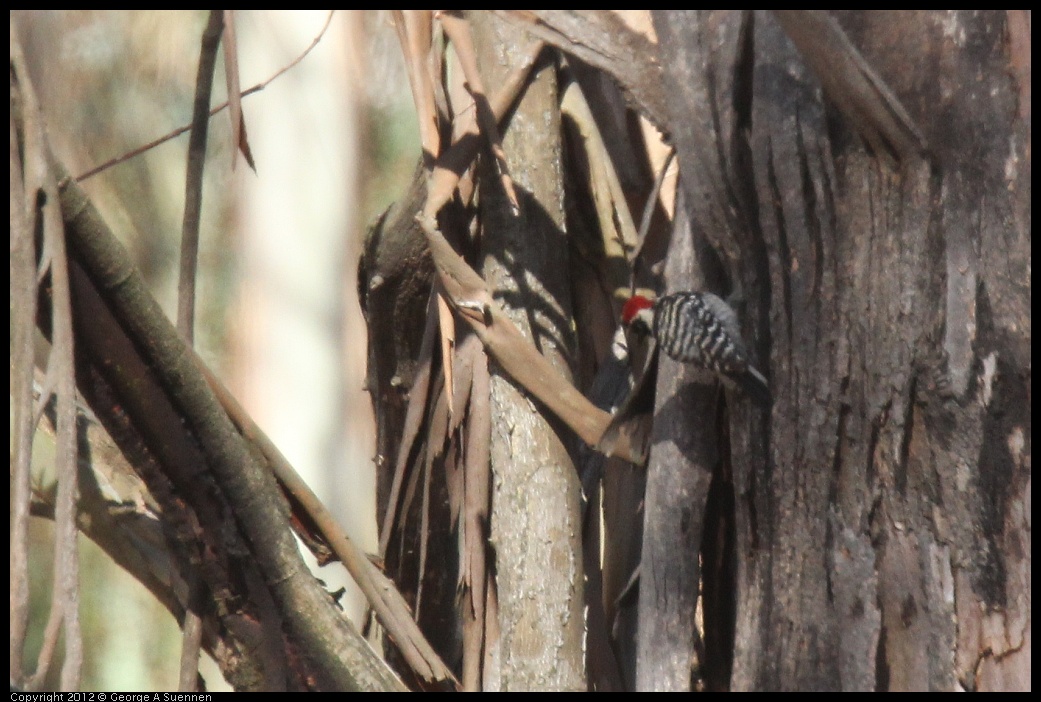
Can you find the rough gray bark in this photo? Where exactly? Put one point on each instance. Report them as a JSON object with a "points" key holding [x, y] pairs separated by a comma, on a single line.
{"points": [[536, 527], [883, 536], [683, 456]]}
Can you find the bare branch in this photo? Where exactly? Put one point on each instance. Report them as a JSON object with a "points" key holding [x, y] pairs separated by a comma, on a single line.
{"points": [[387, 602], [193, 185], [336, 647], [40, 197], [181, 130]]}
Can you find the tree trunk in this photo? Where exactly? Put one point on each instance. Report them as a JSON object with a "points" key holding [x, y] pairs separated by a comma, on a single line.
{"points": [[536, 528], [883, 509]]}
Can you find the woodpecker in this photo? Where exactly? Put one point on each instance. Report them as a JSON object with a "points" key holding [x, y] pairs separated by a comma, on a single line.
{"points": [[700, 329]]}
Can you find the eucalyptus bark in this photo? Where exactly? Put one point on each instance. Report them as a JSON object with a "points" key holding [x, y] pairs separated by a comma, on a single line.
{"points": [[536, 525], [883, 538]]}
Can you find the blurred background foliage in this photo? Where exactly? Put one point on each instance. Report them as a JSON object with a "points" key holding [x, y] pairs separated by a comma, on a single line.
{"points": [[335, 141]]}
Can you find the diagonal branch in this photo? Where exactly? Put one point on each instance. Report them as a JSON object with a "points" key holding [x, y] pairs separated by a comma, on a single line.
{"points": [[458, 31], [469, 296], [331, 641], [602, 40], [386, 601]]}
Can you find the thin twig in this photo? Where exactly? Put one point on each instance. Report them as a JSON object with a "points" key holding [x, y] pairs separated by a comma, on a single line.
{"points": [[652, 201], [41, 200], [23, 319], [191, 634], [193, 186], [181, 130]]}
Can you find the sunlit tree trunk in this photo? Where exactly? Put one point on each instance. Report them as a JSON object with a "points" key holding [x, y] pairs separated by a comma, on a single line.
{"points": [[536, 528]]}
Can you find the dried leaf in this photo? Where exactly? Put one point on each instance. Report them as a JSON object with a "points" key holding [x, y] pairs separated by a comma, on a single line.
{"points": [[231, 75], [474, 573], [616, 221], [424, 528], [446, 324], [516, 355], [243, 143], [468, 353], [437, 421], [631, 424]]}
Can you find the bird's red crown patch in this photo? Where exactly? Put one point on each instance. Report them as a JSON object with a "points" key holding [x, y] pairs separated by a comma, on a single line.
{"points": [[633, 307]]}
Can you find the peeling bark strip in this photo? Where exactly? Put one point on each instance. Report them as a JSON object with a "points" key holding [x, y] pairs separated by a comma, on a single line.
{"points": [[514, 353], [602, 39]]}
